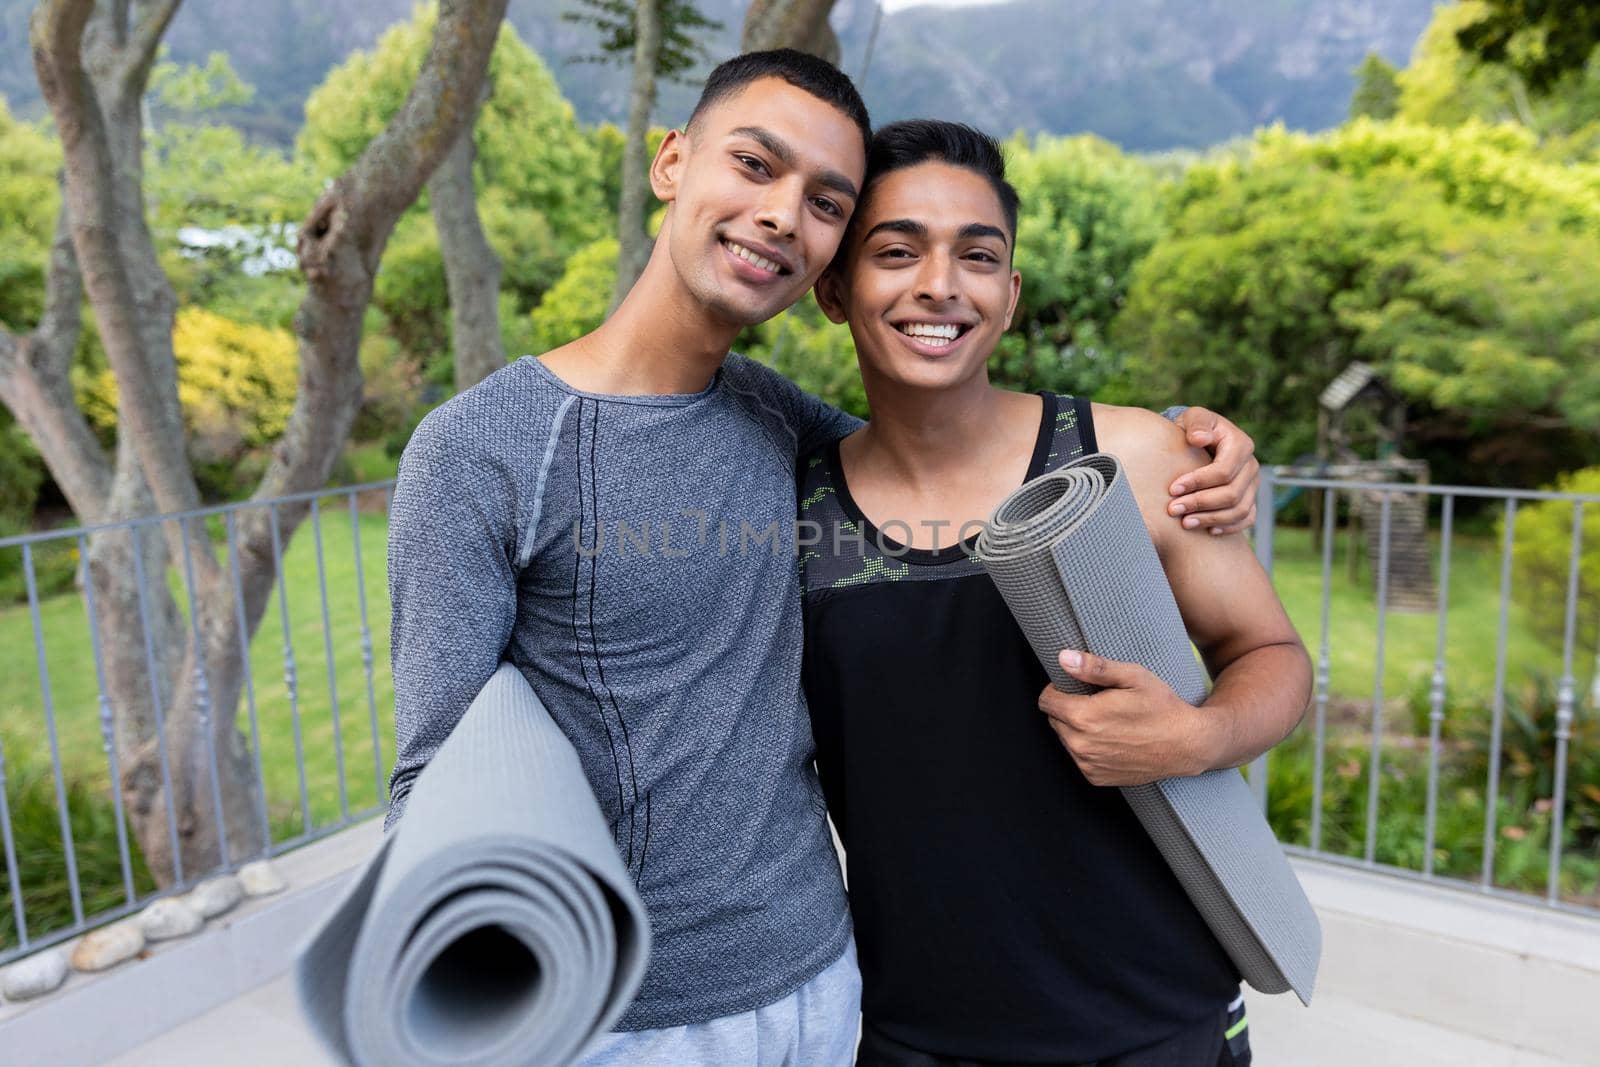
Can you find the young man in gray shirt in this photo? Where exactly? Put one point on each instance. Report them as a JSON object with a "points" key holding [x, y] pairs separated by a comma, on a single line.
{"points": [[616, 517]]}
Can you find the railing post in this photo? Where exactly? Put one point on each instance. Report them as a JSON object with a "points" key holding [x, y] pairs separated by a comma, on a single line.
{"points": [[1266, 530]]}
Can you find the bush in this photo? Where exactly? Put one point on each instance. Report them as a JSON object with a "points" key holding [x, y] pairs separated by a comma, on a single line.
{"points": [[30, 793], [577, 303], [236, 383], [1456, 261], [1542, 560], [1089, 214], [21, 474]]}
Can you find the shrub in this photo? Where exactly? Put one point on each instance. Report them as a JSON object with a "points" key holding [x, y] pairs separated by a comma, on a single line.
{"points": [[30, 793], [1542, 559]]}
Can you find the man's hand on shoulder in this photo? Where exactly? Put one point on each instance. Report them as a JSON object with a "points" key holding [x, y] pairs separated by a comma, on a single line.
{"points": [[1219, 497]]}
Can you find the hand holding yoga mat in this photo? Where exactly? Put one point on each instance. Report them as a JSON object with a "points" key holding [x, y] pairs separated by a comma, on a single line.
{"points": [[1070, 554], [496, 924]]}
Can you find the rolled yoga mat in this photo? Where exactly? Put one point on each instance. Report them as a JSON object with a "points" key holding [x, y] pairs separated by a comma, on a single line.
{"points": [[1070, 554], [496, 924]]}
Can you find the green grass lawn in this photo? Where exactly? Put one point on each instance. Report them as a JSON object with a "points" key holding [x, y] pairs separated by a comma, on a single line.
{"points": [[1472, 623], [75, 694], [1409, 651]]}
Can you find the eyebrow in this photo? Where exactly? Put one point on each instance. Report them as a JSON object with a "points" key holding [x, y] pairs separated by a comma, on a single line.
{"points": [[830, 179], [913, 228]]}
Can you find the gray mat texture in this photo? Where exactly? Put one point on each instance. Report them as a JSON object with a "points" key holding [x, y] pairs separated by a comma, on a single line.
{"points": [[1070, 554], [496, 924]]}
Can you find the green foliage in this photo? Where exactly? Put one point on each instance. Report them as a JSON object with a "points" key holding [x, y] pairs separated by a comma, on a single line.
{"points": [[528, 143], [186, 87], [1455, 260], [1377, 94], [1089, 214], [1541, 40], [819, 357], [28, 203], [21, 474], [681, 22], [236, 384], [577, 303], [1543, 557], [1445, 85], [41, 868], [541, 190]]}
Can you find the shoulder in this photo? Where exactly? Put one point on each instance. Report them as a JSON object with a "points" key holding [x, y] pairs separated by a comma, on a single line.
{"points": [[501, 421], [1153, 452], [754, 379]]}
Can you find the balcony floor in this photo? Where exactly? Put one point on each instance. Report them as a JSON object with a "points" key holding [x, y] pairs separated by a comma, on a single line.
{"points": [[264, 1029]]}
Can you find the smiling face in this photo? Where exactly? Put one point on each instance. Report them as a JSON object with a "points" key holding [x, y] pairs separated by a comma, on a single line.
{"points": [[926, 283], [760, 190]]}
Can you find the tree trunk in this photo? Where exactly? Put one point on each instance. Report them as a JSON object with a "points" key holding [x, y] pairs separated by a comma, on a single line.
{"points": [[633, 242], [171, 687], [799, 24], [471, 268]]}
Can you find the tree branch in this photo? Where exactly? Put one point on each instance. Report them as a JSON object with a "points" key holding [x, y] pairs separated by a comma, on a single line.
{"points": [[339, 247], [36, 385], [155, 426], [471, 268], [155, 17], [633, 242]]}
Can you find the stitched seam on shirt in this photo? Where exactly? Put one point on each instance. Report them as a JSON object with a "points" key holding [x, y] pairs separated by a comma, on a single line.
{"points": [[532, 529], [594, 642], [577, 640], [755, 398]]}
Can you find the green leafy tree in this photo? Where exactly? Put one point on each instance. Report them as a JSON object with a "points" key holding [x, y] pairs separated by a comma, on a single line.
{"points": [[1377, 94], [577, 303], [1542, 41], [28, 204], [539, 182], [1457, 261], [1446, 85], [1089, 214]]}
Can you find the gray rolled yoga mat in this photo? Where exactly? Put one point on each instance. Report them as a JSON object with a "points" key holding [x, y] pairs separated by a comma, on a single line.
{"points": [[496, 924], [1070, 554]]}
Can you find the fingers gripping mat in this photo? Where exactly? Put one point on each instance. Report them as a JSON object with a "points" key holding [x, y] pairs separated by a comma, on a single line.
{"points": [[1070, 554], [496, 924]]}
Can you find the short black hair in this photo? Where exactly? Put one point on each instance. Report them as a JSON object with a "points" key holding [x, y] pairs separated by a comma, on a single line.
{"points": [[913, 141], [816, 76]]}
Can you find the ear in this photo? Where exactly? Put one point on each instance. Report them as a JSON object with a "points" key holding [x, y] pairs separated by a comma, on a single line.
{"points": [[1016, 294], [666, 170], [829, 291]]}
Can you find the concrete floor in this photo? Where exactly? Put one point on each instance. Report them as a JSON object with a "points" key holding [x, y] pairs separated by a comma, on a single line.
{"points": [[264, 1029]]}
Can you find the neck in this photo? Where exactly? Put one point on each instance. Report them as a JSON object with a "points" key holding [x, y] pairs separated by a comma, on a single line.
{"points": [[924, 434], [660, 340]]}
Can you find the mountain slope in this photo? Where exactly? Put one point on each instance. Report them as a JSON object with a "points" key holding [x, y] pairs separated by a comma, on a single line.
{"points": [[1148, 74]]}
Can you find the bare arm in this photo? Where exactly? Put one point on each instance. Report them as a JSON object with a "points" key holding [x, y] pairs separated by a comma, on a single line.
{"points": [[1136, 729]]}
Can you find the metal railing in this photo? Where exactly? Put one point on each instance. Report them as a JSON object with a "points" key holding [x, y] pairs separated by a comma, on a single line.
{"points": [[1344, 608], [72, 711], [53, 608]]}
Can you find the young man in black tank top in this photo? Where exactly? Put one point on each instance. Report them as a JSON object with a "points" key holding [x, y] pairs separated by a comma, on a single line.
{"points": [[1008, 906]]}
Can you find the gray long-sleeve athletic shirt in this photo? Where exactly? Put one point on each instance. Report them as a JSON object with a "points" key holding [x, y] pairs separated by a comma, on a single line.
{"points": [[633, 557]]}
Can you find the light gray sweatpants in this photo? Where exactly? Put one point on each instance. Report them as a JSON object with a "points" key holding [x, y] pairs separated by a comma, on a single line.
{"points": [[815, 1026]]}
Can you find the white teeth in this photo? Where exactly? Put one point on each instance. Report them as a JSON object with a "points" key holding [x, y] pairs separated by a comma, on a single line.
{"points": [[932, 333], [761, 261]]}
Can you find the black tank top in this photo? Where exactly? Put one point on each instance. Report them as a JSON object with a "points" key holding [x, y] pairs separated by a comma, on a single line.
{"points": [[1005, 909]]}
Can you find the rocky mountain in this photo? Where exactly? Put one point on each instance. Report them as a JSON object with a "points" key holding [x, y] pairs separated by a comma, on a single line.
{"points": [[1148, 74]]}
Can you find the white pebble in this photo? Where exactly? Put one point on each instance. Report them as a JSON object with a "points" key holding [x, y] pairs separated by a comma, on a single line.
{"points": [[260, 879], [215, 896], [169, 917], [34, 976], [108, 946]]}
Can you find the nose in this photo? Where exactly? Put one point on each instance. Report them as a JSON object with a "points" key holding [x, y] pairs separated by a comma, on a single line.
{"points": [[936, 279], [779, 211]]}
